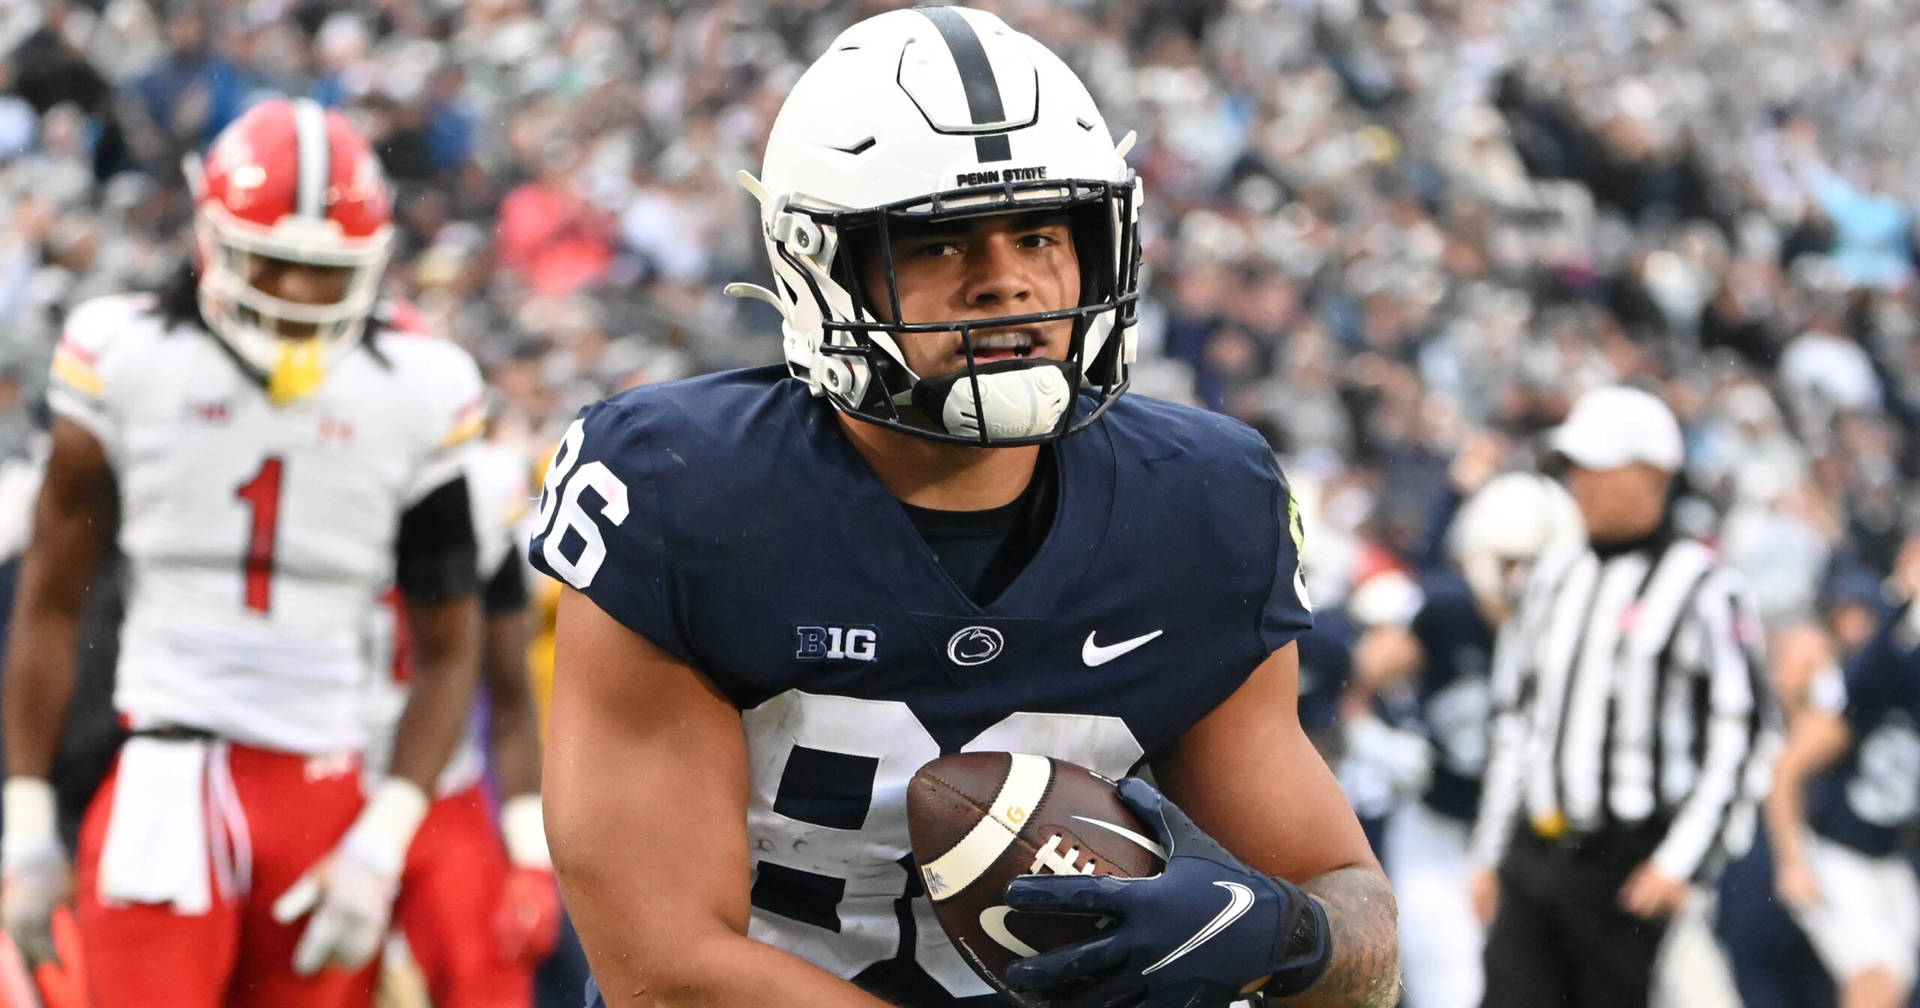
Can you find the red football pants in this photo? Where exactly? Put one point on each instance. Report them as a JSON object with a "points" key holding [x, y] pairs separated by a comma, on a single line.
{"points": [[234, 956], [456, 872]]}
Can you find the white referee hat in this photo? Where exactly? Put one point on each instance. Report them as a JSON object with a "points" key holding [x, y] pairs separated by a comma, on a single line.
{"points": [[1616, 426]]}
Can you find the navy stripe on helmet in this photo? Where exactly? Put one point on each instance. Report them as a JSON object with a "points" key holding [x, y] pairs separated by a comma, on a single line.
{"points": [[976, 75]]}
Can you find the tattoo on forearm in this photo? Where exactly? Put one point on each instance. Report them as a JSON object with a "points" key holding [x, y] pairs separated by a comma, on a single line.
{"points": [[1365, 972]]}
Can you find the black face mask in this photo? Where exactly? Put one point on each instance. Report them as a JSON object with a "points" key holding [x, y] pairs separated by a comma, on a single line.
{"points": [[947, 408]]}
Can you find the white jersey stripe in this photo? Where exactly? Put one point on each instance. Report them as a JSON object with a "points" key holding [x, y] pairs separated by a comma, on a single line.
{"points": [[310, 132]]}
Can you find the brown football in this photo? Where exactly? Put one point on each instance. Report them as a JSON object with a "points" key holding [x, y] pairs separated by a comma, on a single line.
{"points": [[978, 820]]}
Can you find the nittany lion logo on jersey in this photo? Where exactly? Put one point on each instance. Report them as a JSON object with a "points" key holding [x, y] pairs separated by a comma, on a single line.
{"points": [[975, 645]]}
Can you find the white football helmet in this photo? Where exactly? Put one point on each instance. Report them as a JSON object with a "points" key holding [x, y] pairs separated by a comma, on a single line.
{"points": [[932, 114], [1504, 527]]}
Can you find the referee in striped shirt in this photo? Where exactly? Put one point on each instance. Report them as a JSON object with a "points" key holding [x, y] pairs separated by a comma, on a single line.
{"points": [[1629, 735]]}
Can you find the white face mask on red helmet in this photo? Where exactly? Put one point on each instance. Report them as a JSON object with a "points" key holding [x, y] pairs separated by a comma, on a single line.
{"points": [[919, 116], [294, 182]]}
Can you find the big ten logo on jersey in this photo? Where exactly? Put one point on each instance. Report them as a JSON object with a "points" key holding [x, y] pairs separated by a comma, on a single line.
{"points": [[831, 642]]}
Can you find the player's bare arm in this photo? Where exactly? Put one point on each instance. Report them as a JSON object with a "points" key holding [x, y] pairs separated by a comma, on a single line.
{"points": [[1815, 740], [73, 521], [447, 635], [512, 724], [438, 575], [1248, 775], [527, 921], [645, 784]]}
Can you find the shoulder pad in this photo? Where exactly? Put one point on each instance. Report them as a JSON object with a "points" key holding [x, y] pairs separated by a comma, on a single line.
{"points": [[600, 528], [444, 381], [95, 324], [93, 346]]}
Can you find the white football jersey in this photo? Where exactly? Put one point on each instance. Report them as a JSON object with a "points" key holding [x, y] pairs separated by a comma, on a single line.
{"points": [[500, 489], [257, 537]]}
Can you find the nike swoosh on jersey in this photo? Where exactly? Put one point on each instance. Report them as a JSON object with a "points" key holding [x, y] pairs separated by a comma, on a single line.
{"points": [[1098, 654], [1239, 899]]}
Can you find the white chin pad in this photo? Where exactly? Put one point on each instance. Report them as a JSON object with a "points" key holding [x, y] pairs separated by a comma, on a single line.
{"points": [[1014, 404]]}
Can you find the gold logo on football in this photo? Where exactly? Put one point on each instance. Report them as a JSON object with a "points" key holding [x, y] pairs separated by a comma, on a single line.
{"points": [[1016, 814]]}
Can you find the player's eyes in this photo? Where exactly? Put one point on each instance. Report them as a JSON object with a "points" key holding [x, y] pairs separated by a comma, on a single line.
{"points": [[1043, 233]]}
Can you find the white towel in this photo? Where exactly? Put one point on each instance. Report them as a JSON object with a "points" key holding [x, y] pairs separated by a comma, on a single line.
{"points": [[157, 848]]}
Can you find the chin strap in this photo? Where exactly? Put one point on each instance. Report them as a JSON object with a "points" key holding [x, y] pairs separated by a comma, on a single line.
{"points": [[1007, 399]]}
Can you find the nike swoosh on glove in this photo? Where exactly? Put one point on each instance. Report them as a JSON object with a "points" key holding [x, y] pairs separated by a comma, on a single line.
{"points": [[1200, 933]]}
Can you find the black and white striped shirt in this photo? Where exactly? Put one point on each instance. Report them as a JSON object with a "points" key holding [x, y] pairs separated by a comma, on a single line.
{"points": [[1630, 692]]}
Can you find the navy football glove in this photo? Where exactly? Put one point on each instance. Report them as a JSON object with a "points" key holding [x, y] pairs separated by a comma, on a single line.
{"points": [[1197, 934]]}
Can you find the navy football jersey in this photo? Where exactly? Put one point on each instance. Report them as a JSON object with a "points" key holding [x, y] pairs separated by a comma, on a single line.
{"points": [[1326, 669], [729, 521], [1455, 702], [1874, 790]]}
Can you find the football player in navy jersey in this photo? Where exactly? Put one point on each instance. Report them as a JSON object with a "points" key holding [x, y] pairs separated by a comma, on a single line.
{"points": [[1771, 962], [781, 607], [1845, 786], [1434, 666]]}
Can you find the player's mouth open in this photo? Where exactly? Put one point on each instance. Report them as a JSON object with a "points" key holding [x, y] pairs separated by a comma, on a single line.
{"points": [[999, 345]]}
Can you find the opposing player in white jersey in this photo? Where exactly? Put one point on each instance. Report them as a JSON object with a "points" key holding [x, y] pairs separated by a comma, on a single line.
{"points": [[268, 460], [478, 915]]}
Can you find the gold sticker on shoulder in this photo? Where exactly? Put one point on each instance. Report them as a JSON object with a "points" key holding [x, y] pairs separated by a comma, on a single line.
{"points": [[1298, 530]]}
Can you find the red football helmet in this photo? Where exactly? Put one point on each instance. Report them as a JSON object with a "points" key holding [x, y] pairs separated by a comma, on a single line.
{"points": [[294, 182]]}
